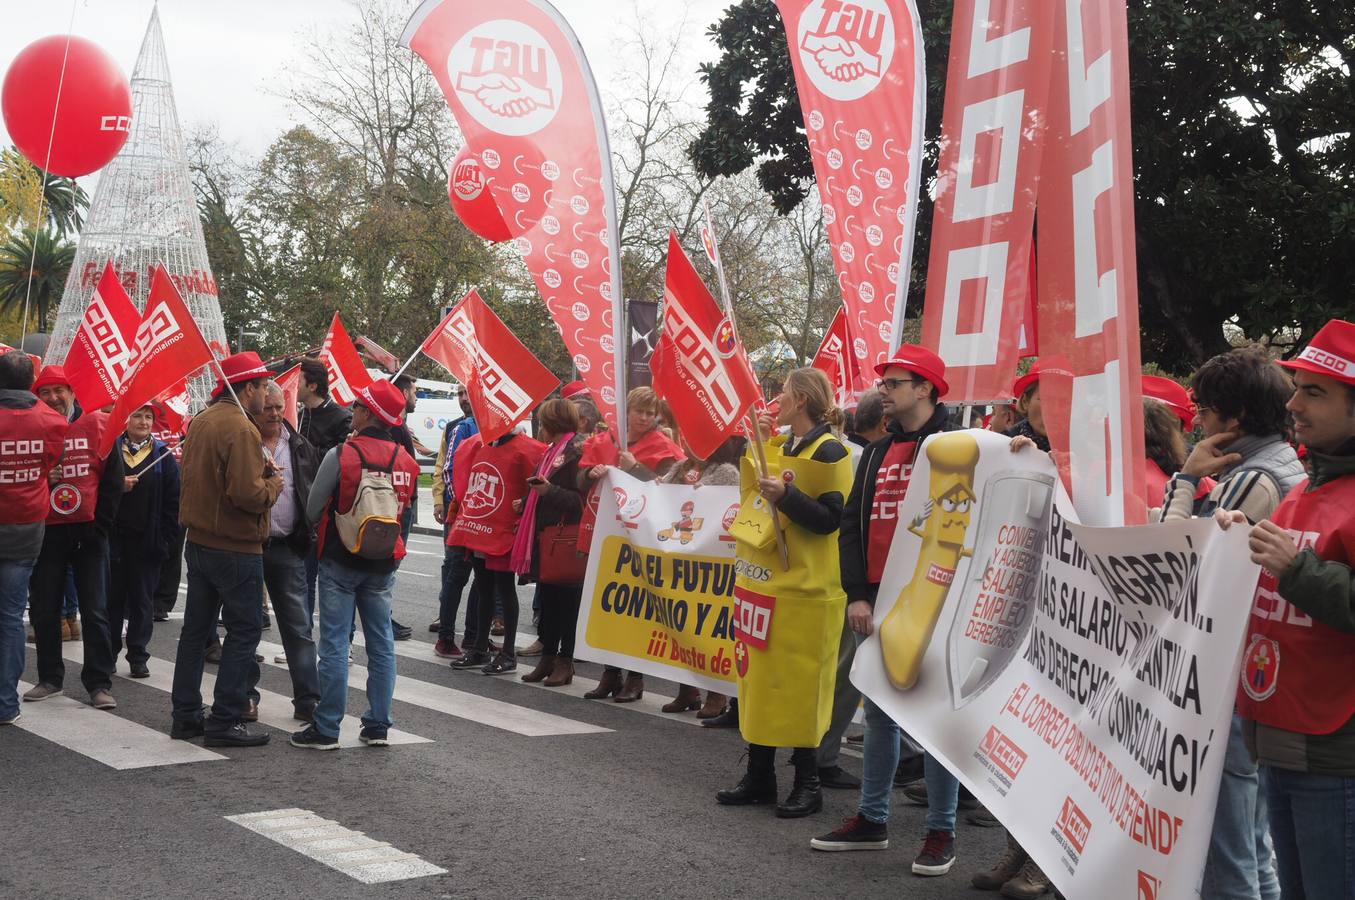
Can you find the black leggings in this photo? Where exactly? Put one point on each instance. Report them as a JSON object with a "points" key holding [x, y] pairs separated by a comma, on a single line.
{"points": [[495, 588], [559, 618]]}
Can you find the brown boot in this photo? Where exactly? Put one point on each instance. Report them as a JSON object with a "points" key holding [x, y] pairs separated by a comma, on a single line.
{"points": [[544, 666], [1007, 867], [1028, 884], [688, 698], [74, 622], [562, 674], [715, 704], [65, 630], [608, 685], [633, 690]]}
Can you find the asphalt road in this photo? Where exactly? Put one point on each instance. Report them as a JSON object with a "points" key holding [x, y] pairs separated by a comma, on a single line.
{"points": [[512, 789]]}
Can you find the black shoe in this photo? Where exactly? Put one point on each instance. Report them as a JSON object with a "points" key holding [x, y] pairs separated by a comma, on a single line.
{"points": [[937, 856], [967, 801], [909, 771], [185, 731], [982, 818], [749, 791], [267, 623], [236, 735], [855, 833], [139, 670], [805, 797], [311, 739], [727, 719], [838, 777], [374, 736], [916, 793], [500, 665], [401, 632], [473, 660], [159, 616], [213, 655]]}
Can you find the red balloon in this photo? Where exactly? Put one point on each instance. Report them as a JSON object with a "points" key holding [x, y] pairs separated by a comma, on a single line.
{"points": [[472, 199], [94, 119]]}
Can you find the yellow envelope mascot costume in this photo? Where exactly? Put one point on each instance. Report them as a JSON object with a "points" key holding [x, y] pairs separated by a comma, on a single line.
{"points": [[789, 621]]}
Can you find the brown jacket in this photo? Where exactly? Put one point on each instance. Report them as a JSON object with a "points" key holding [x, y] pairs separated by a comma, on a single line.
{"points": [[226, 498]]}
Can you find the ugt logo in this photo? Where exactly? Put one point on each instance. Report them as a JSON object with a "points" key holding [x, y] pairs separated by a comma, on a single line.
{"points": [[468, 179], [507, 75], [484, 491], [846, 46]]}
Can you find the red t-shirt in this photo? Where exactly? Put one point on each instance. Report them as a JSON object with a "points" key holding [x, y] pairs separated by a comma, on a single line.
{"points": [[891, 483]]}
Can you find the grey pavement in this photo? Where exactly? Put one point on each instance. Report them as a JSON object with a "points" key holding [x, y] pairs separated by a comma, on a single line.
{"points": [[625, 811]]}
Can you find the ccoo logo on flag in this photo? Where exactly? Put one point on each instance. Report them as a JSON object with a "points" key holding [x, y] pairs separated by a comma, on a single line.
{"points": [[507, 76]]}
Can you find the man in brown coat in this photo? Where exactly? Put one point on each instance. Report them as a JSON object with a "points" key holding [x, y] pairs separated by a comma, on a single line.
{"points": [[229, 486]]}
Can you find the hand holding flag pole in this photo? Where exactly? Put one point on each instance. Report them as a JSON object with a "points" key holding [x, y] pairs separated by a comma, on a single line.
{"points": [[713, 254]]}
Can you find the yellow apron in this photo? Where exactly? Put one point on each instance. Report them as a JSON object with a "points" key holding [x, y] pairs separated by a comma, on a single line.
{"points": [[789, 621]]}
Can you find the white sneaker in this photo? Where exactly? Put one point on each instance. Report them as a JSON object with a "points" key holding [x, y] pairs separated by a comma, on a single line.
{"points": [[280, 658]]}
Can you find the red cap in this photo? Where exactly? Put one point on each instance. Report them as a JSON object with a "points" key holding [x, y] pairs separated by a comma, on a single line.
{"points": [[385, 400], [239, 367], [1025, 381], [921, 362], [1172, 394], [575, 390], [1330, 352], [50, 375]]}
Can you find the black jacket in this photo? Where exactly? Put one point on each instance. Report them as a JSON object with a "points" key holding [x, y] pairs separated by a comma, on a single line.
{"points": [[326, 426], [159, 484], [305, 462], [854, 539], [821, 514]]}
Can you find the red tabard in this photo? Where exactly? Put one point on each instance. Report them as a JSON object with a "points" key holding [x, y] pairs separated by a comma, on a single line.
{"points": [[1296, 671], [404, 476], [497, 475], [891, 483], [76, 493], [30, 445], [650, 450]]}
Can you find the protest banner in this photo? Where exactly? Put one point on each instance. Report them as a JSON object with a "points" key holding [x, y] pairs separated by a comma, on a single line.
{"points": [[99, 361], [347, 374], [659, 594], [1079, 680], [837, 359]]}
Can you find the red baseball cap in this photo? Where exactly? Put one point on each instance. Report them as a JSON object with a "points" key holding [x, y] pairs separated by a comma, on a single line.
{"points": [[385, 400], [921, 362], [240, 367], [1174, 395], [575, 390], [1025, 381], [50, 375], [1331, 352]]}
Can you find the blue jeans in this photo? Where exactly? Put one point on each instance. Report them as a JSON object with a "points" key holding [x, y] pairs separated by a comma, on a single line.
{"points": [[284, 572], [344, 591], [1312, 821], [231, 585], [456, 572], [14, 575], [879, 760], [943, 795], [1241, 861]]}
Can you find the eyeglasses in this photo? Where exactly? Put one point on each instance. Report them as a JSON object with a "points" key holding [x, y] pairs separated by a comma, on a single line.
{"points": [[893, 384]]}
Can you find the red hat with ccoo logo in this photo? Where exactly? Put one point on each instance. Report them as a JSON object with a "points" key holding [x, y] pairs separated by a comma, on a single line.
{"points": [[921, 362], [238, 368], [1331, 352], [1174, 395], [385, 400], [49, 376]]}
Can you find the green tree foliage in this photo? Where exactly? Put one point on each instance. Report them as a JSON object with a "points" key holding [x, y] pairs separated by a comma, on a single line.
{"points": [[1244, 159], [33, 269], [21, 187]]}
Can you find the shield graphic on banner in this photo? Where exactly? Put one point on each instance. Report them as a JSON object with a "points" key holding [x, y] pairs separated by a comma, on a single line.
{"points": [[997, 599]]}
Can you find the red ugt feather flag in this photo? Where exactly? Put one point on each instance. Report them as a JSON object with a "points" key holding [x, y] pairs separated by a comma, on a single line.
{"points": [[167, 350], [837, 359], [699, 366], [290, 384], [504, 379], [347, 374], [100, 357]]}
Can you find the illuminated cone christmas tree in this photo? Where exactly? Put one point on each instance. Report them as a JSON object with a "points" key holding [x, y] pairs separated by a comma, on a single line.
{"points": [[144, 212]]}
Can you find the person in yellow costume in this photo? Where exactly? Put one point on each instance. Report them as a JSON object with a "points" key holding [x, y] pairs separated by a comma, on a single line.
{"points": [[789, 618]]}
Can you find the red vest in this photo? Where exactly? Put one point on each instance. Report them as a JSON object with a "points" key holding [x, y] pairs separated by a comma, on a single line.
{"points": [[404, 475], [1296, 671], [30, 445], [495, 477], [76, 493], [891, 483]]}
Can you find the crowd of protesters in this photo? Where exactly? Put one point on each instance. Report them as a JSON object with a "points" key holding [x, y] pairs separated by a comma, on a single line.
{"points": [[315, 518]]}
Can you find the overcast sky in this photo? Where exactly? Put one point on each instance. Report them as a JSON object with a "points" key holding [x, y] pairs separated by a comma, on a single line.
{"points": [[228, 58]]}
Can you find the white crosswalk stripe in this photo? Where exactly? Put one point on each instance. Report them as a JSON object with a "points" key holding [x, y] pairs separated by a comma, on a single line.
{"points": [[104, 737], [351, 852], [275, 710], [464, 705]]}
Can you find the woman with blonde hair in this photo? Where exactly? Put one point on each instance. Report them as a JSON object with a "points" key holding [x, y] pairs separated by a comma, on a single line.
{"points": [[789, 610]]}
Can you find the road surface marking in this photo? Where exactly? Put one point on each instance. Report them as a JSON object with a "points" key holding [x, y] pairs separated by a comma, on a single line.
{"points": [[342, 849]]}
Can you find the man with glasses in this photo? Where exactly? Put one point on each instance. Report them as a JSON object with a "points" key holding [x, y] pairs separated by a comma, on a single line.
{"points": [[911, 385]]}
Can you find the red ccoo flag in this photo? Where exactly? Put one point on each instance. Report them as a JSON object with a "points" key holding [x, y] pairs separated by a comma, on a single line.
{"points": [[347, 374], [168, 349], [838, 360], [504, 379], [290, 383], [100, 357], [699, 366]]}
